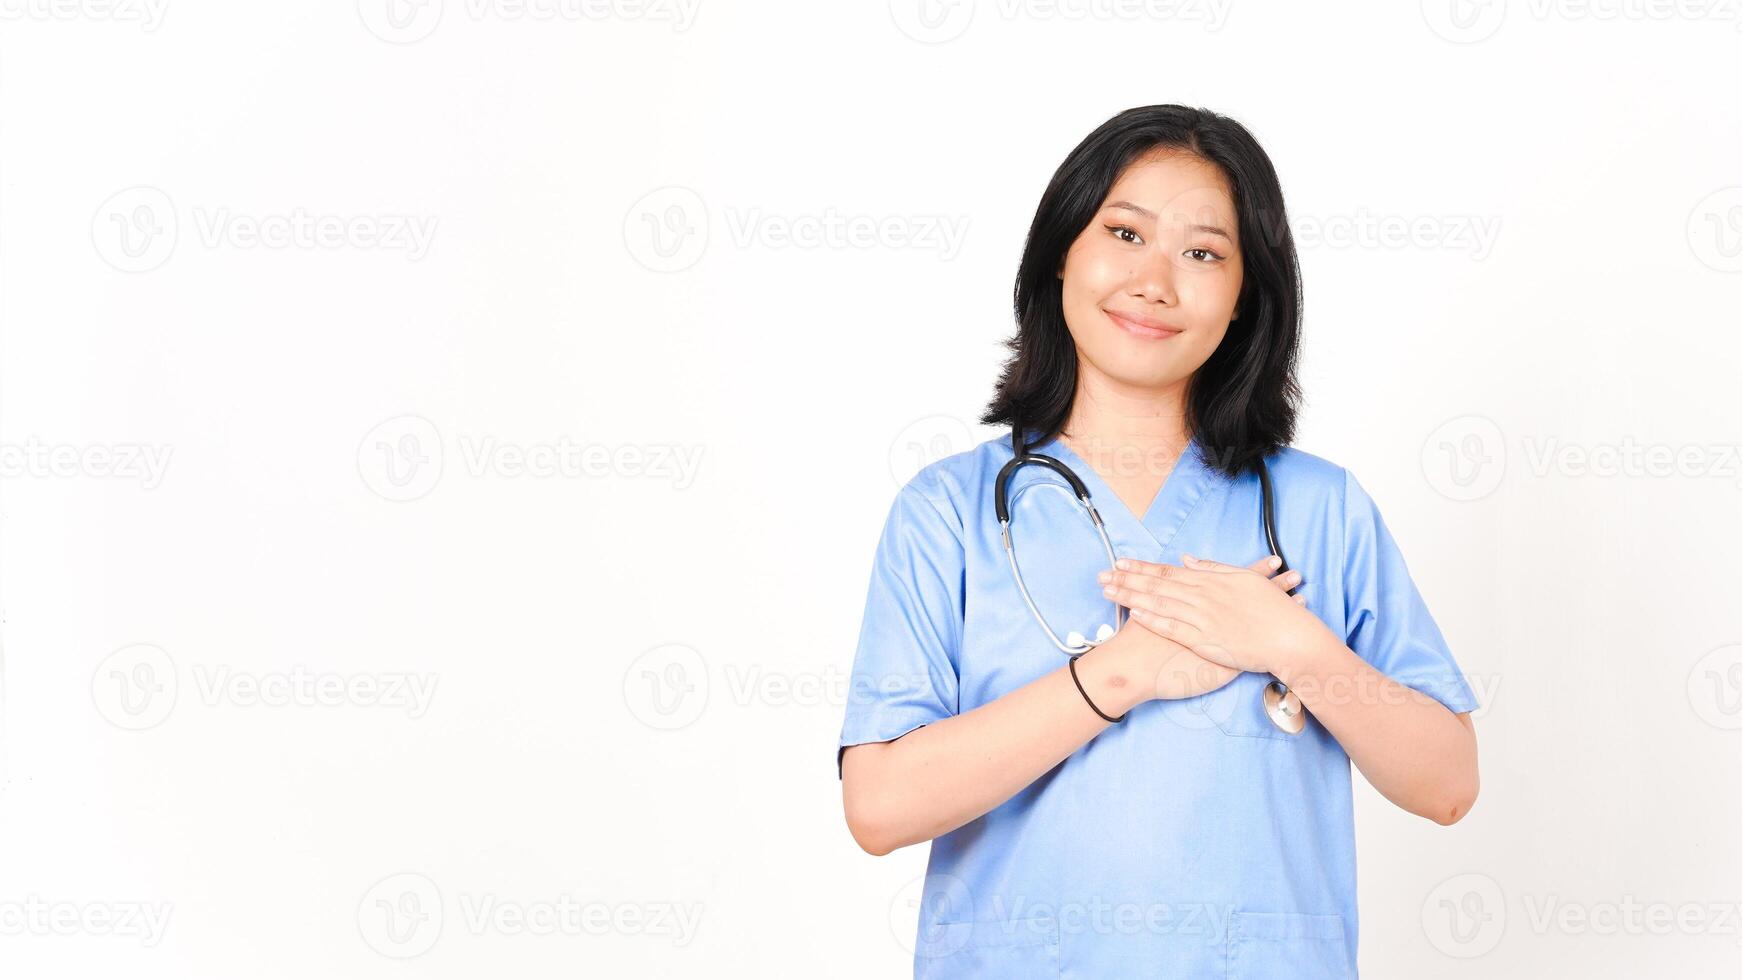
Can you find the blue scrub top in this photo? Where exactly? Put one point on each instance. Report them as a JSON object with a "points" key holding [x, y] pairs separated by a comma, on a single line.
{"points": [[1194, 839]]}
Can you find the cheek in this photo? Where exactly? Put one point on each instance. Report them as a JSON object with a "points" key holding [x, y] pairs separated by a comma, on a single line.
{"points": [[1211, 298], [1208, 339], [1091, 273]]}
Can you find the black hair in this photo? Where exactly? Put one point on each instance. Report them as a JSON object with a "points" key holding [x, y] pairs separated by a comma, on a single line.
{"points": [[1243, 400]]}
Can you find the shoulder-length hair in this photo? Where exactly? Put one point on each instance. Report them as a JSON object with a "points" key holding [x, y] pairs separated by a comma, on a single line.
{"points": [[1242, 402]]}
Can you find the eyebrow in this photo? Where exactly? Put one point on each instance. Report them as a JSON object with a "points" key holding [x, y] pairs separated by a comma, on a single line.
{"points": [[1146, 213]]}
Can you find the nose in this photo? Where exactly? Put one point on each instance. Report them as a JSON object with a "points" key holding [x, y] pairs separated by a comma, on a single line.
{"points": [[1152, 278]]}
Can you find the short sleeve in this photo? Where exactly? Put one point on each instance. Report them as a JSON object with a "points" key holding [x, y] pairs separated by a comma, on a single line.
{"points": [[1388, 622], [905, 670]]}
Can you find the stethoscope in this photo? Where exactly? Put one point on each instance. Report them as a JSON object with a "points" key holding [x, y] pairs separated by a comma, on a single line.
{"points": [[1280, 704]]}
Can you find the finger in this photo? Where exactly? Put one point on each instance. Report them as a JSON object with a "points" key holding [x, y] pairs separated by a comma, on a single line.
{"points": [[1145, 567], [1267, 566], [1180, 632], [1161, 585], [1160, 605], [1206, 565], [1287, 580], [1130, 569], [1189, 576]]}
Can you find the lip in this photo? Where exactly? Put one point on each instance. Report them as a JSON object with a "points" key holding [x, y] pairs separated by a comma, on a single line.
{"points": [[1137, 325]]}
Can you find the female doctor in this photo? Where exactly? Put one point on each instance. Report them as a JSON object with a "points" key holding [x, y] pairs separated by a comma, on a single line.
{"points": [[1138, 810]]}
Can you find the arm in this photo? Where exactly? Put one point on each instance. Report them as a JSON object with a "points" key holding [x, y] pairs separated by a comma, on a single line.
{"points": [[938, 777], [1413, 749]]}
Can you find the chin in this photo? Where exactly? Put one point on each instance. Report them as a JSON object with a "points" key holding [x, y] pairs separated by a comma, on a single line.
{"points": [[1128, 371]]}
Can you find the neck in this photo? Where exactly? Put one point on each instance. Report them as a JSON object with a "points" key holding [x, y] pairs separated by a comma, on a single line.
{"points": [[1108, 415]]}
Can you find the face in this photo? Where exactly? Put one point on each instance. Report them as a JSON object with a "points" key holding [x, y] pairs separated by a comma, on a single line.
{"points": [[1151, 283]]}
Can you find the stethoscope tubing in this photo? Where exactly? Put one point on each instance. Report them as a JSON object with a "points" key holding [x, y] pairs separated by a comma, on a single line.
{"points": [[1277, 690]]}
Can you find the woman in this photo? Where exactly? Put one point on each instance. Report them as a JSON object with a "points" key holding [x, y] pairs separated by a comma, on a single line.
{"points": [[1143, 809]]}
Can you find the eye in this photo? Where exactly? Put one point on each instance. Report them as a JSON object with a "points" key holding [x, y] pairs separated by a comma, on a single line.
{"points": [[1116, 229], [1195, 251]]}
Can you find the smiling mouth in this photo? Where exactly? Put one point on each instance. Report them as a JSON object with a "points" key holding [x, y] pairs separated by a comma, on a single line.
{"points": [[1147, 328]]}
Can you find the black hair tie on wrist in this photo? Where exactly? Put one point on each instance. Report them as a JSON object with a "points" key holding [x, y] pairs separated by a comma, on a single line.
{"points": [[1085, 695]]}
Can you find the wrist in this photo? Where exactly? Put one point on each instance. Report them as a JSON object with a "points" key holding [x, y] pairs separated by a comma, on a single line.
{"points": [[1112, 680], [1318, 658]]}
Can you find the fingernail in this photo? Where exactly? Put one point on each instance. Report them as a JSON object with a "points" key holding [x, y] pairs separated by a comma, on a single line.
{"points": [[1109, 592], [1123, 564], [1104, 577], [1275, 561], [1187, 557]]}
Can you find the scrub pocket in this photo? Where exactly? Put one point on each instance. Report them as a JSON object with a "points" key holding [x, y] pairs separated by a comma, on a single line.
{"points": [[1016, 948], [1287, 946], [1238, 709]]}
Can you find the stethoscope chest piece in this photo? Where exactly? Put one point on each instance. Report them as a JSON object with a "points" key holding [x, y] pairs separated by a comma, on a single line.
{"points": [[1284, 708]]}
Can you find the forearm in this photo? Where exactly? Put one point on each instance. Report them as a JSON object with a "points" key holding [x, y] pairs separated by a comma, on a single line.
{"points": [[1413, 749], [937, 778]]}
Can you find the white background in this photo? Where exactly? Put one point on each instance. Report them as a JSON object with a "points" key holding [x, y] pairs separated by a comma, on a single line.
{"points": [[636, 669]]}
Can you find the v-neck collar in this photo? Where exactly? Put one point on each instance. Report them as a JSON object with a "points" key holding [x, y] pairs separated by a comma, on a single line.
{"points": [[1191, 480]]}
